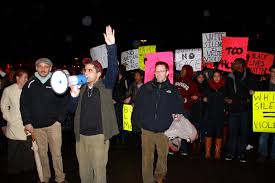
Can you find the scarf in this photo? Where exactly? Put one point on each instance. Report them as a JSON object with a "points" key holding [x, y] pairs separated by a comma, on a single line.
{"points": [[42, 79], [214, 85]]}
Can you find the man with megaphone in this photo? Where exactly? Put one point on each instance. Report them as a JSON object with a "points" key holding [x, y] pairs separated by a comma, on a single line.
{"points": [[95, 119]]}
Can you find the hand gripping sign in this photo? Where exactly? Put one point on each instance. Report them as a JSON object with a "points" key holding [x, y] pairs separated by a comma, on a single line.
{"points": [[60, 81]]}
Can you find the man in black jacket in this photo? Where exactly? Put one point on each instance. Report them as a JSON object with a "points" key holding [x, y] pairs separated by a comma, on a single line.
{"points": [[42, 113], [239, 90], [155, 104]]}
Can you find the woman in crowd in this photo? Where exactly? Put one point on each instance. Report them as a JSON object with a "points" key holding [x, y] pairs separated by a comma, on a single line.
{"points": [[214, 114], [19, 148]]}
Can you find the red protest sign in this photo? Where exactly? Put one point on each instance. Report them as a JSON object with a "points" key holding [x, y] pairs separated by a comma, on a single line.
{"points": [[259, 63], [232, 48]]}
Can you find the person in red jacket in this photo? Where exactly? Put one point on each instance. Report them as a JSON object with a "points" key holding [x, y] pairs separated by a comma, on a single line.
{"points": [[189, 92]]}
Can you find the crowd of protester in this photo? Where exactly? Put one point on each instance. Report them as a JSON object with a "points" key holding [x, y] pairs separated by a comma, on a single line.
{"points": [[219, 104]]}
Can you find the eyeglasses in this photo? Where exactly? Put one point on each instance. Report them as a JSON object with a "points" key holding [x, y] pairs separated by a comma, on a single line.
{"points": [[160, 71]]}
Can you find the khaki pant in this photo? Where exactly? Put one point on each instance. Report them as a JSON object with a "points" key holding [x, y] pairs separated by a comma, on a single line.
{"points": [[50, 136], [92, 155], [151, 141]]}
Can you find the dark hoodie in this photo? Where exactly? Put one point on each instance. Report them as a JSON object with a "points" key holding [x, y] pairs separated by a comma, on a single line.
{"points": [[187, 87]]}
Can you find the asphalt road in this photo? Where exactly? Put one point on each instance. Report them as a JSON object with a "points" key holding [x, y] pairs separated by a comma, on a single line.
{"points": [[124, 166]]}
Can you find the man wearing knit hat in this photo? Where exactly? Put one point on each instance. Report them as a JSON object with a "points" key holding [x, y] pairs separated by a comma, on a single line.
{"points": [[95, 119], [42, 113]]}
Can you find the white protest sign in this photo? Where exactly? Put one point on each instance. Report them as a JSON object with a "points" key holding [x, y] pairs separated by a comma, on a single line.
{"points": [[130, 59], [100, 53], [212, 46], [190, 57]]}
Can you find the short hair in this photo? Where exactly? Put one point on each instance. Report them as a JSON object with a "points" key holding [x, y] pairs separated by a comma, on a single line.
{"points": [[162, 63], [97, 65], [239, 61], [140, 72]]}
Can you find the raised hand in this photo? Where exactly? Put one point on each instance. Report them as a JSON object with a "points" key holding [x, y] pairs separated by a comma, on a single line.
{"points": [[109, 36]]}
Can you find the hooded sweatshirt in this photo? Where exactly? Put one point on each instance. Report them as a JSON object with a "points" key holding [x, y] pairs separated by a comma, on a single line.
{"points": [[187, 87]]}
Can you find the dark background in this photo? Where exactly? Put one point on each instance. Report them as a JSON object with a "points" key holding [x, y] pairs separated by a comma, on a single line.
{"points": [[54, 29]]}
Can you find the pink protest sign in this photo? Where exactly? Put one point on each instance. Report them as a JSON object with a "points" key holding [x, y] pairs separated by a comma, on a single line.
{"points": [[232, 48], [152, 59], [259, 63]]}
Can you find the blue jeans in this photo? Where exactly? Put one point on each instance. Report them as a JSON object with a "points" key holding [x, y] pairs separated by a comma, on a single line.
{"points": [[238, 129], [263, 144]]}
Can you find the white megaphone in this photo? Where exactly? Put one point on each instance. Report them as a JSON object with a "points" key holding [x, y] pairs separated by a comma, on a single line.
{"points": [[60, 81]]}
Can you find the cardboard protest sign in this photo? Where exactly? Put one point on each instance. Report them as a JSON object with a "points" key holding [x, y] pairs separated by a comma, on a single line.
{"points": [[192, 57], [212, 46], [259, 63], [152, 59], [127, 113], [142, 50], [264, 111], [100, 53], [232, 48], [130, 59]]}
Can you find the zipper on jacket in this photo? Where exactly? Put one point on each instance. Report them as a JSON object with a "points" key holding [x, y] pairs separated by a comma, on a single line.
{"points": [[158, 97]]}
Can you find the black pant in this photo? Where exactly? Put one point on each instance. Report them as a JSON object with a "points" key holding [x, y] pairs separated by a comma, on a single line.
{"points": [[20, 156], [238, 128]]}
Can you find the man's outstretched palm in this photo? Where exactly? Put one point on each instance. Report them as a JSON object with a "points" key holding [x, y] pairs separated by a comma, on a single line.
{"points": [[109, 35]]}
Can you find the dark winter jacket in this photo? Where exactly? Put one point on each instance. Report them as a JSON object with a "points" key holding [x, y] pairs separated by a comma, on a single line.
{"points": [[238, 86], [40, 106], [198, 107], [215, 106], [155, 104]]}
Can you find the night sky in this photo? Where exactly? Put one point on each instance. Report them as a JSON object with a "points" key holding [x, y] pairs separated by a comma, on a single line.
{"points": [[57, 29]]}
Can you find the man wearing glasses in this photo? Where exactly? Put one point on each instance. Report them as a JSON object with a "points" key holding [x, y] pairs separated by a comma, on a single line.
{"points": [[155, 105]]}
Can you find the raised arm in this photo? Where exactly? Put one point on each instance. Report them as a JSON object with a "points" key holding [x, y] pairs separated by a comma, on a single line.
{"points": [[112, 71]]}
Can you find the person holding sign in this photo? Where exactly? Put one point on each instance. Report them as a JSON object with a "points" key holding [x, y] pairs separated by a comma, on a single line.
{"points": [[239, 88], [95, 119], [267, 85], [156, 103]]}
